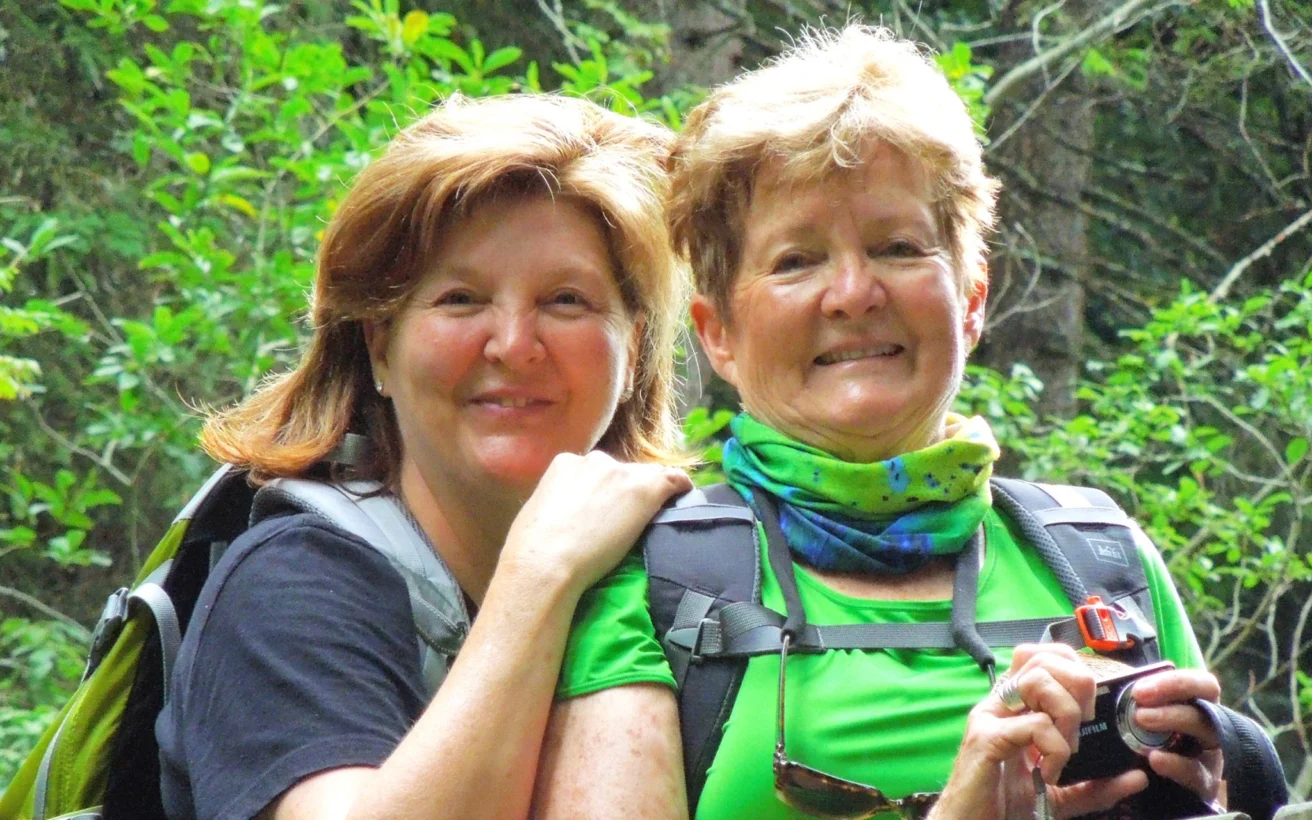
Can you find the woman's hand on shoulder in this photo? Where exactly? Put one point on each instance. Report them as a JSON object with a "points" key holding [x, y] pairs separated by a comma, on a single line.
{"points": [[992, 777], [585, 514]]}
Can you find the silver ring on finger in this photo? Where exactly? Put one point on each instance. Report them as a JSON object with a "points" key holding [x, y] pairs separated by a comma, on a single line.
{"points": [[1008, 691]]}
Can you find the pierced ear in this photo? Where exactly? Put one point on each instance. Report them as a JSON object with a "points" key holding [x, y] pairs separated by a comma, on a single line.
{"points": [[977, 297], [713, 331], [376, 337]]}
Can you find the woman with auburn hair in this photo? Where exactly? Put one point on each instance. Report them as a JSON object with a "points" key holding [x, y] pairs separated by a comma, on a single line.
{"points": [[834, 208], [493, 312]]}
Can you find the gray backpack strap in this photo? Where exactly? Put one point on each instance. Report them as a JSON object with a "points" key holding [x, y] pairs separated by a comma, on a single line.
{"points": [[701, 555], [366, 510], [1091, 544]]}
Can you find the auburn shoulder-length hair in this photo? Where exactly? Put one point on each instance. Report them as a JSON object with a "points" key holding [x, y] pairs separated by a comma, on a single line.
{"points": [[381, 242]]}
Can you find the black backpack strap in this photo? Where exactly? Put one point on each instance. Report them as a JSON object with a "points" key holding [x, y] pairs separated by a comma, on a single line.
{"points": [[1255, 780], [701, 555], [1090, 544]]}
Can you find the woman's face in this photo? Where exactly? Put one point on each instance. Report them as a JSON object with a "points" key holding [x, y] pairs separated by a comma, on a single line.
{"points": [[514, 348], [848, 328]]}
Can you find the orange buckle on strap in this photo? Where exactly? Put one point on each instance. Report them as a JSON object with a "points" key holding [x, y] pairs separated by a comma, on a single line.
{"points": [[1098, 625]]}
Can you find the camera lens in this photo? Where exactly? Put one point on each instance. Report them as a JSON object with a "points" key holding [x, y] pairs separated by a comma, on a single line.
{"points": [[1138, 739]]}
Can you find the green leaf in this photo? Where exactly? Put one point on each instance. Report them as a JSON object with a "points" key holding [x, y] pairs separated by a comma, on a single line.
{"points": [[155, 23], [501, 58], [239, 203], [454, 53], [198, 162], [1295, 450], [414, 27], [1096, 65]]}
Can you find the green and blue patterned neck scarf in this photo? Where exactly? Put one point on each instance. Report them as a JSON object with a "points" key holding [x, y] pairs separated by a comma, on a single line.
{"points": [[888, 517]]}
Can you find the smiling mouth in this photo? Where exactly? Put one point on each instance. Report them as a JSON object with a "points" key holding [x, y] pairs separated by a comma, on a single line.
{"points": [[509, 403], [875, 352]]}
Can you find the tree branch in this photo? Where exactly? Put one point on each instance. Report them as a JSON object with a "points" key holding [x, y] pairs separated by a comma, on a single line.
{"points": [[1280, 42], [1148, 216], [1265, 250], [1119, 18], [47, 610]]}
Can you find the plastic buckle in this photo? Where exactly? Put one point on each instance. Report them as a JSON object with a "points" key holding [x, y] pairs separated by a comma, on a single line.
{"points": [[698, 642], [1107, 627], [108, 627]]}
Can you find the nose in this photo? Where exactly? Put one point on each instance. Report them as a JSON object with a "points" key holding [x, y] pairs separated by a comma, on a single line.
{"points": [[854, 288], [514, 340]]}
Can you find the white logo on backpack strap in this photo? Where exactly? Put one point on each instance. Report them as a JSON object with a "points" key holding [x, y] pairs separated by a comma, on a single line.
{"points": [[1109, 552]]}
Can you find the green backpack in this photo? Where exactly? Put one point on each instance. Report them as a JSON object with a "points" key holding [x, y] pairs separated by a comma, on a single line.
{"points": [[99, 758]]}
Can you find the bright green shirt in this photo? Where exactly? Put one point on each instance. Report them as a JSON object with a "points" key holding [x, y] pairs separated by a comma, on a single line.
{"points": [[890, 718]]}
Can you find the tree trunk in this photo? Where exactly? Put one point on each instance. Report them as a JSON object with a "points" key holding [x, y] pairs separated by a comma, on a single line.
{"points": [[705, 50], [1039, 269]]}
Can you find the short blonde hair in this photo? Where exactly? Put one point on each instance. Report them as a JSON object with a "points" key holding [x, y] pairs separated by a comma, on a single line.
{"points": [[816, 109], [381, 241]]}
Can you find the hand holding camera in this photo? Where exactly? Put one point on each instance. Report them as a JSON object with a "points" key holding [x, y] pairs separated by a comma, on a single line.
{"points": [[1115, 741], [1034, 719]]}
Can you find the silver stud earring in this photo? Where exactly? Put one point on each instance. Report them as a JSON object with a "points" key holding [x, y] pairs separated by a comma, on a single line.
{"points": [[378, 387]]}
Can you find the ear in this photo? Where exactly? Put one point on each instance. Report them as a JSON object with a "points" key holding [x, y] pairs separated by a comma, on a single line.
{"points": [[376, 338], [714, 333], [977, 297]]}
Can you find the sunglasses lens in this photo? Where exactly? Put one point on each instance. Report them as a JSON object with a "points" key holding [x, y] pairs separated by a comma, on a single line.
{"points": [[822, 796]]}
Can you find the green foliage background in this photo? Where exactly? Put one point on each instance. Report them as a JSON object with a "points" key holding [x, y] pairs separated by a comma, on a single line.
{"points": [[169, 169]]}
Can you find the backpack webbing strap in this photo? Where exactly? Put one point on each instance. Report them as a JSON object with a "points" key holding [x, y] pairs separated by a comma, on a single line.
{"points": [[377, 517], [746, 629], [693, 608], [152, 595], [697, 563]]}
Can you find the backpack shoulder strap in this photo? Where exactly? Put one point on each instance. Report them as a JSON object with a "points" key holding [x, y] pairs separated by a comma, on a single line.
{"points": [[1090, 544], [701, 555], [366, 510]]}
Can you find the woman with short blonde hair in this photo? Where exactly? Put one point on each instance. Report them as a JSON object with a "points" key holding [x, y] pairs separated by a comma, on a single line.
{"points": [[493, 313], [809, 115], [834, 208]]}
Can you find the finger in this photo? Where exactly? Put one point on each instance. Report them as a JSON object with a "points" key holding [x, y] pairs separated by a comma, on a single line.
{"points": [[1179, 717], [1055, 749], [1199, 775], [1002, 739], [1096, 795], [1042, 692], [1075, 677], [681, 481], [1177, 686], [1026, 652], [662, 482]]}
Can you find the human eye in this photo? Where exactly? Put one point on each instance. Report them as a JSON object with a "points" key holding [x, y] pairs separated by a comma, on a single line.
{"points": [[901, 249], [791, 261], [455, 297], [570, 300], [569, 297]]}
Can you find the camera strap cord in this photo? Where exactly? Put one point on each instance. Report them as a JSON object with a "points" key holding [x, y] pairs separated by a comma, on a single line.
{"points": [[1042, 806]]}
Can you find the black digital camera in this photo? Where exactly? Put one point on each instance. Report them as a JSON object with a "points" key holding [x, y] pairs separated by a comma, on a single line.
{"points": [[1113, 742]]}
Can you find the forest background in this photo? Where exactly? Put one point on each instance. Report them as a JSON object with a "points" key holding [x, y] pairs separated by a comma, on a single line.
{"points": [[167, 166]]}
